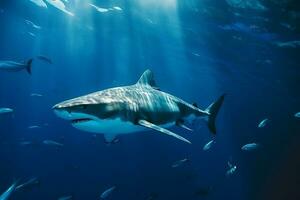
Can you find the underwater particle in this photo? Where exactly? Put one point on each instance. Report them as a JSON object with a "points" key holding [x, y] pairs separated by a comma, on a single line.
{"points": [[39, 3], [65, 197], [263, 123], [99, 9], [8, 192], [107, 192], [52, 143], [250, 147], [203, 191], [231, 170], [208, 145], [12, 66], [287, 26], [179, 163], [152, 196], [30, 183], [297, 115], [6, 110]]}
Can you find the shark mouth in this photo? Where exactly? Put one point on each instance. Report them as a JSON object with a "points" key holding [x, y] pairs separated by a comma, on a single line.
{"points": [[81, 120]]}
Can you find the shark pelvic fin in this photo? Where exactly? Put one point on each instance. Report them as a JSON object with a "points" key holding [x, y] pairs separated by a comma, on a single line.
{"points": [[180, 123], [147, 78], [162, 130]]}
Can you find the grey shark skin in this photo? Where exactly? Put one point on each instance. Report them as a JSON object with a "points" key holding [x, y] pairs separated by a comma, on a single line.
{"points": [[12, 66], [134, 108]]}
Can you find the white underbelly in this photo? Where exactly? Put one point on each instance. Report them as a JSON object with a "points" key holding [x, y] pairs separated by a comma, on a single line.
{"points": [[115, 126]]}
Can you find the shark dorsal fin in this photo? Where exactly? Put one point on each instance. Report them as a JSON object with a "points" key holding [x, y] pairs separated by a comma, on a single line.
{"points": [[147, 78]]}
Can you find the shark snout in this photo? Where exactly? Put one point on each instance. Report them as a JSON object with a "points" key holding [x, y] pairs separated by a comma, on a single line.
{"points": [[62, 112]]}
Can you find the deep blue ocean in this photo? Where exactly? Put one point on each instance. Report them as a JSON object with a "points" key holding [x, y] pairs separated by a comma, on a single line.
{"points": [[197, 50]]}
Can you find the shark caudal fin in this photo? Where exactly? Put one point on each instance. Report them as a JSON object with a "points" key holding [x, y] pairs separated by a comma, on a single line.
{"points": [[28, 66], [213, 110]]}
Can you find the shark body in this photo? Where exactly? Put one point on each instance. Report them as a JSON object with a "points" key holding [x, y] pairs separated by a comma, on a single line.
{"points": [[134, 108]]}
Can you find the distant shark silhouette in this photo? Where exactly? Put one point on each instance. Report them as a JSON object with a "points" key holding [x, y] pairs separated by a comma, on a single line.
{"points": [[135, 108], [12, 66]]}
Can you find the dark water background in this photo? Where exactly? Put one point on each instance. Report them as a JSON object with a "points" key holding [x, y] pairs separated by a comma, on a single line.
{"points": [[197, 51]]}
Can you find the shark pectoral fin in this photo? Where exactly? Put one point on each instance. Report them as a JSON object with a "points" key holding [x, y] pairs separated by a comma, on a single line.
{"points": [[162, 130], [180, 124], [109, 138]]}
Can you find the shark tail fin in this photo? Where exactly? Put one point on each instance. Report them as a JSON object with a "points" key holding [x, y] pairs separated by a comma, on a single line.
{"points": [[28, 66], [213, 110]]}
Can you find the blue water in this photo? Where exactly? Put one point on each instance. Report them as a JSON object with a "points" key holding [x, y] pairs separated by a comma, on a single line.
{"points": [[197, 51]]}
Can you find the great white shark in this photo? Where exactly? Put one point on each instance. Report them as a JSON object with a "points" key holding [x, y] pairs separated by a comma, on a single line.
{"points": [[135, 108]]}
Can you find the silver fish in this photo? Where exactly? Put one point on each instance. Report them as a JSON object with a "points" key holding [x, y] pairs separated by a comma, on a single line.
{"points": [[107, 192], [263, 123], [250, 147]]}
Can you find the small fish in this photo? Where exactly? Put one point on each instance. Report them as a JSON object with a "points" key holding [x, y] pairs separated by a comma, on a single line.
{"points": [[231, 170], [60, 6], [107, 192], [297, 115], [250, 147], [52, 143], [180, 162], [44, 58], [26, 143], [263, 123], [39, 3], [102, 10], [117, 8], [8, 192], [65, 197], [208, 145], [6, 110], [12, 66], [289, 44], [31, 182], [32, 24], [196, 54], [36, 95], [34, 127], [31, 34]]}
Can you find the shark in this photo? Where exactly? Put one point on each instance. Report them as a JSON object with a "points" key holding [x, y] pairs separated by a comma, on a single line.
{"points": [[12, 66], [134, 108]]}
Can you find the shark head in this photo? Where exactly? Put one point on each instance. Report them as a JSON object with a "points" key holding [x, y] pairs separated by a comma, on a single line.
{"points": [[88, 113]]}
